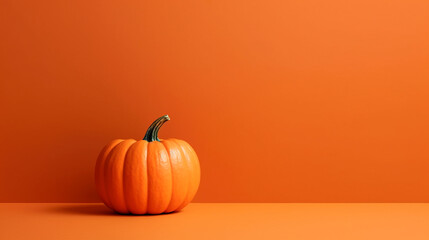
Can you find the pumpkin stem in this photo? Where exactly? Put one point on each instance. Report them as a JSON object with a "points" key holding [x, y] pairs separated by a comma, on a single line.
{"points": [[152, 131]]}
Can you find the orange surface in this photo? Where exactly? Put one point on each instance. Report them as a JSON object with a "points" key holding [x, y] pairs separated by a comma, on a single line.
{"points": [[219, 221], [283, 101]]}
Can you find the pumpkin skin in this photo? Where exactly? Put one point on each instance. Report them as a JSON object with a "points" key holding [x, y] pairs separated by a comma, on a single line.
{"points": [[148, 176]]}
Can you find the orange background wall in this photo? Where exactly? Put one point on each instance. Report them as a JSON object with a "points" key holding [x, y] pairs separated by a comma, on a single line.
{"points": [[284, 101]]}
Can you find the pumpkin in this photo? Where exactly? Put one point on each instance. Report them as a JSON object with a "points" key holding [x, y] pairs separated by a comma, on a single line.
{"points": [[149, 176]]}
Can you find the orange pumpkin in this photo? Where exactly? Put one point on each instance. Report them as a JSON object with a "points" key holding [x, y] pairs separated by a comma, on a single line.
{"points": [[149, 176]]}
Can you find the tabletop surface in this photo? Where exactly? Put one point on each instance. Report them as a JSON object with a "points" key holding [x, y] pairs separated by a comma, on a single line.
{"points": [[218, 221]]}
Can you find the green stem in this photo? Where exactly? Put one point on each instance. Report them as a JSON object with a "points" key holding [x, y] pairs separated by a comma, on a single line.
{"points": [[152, 131]]}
